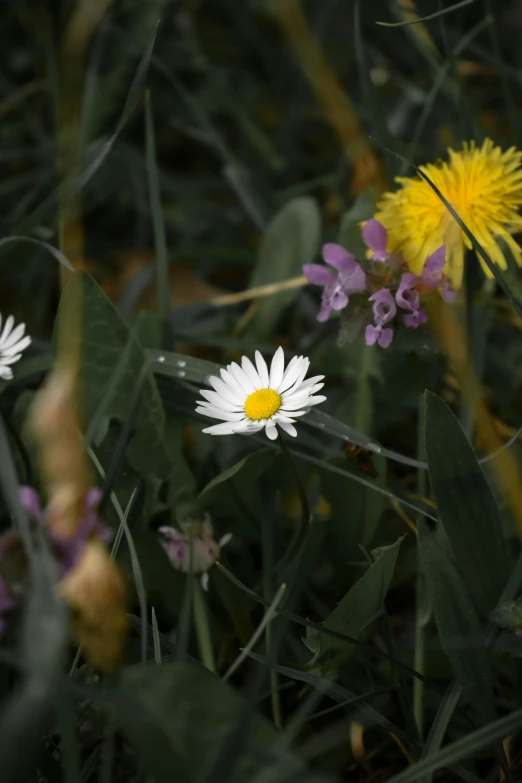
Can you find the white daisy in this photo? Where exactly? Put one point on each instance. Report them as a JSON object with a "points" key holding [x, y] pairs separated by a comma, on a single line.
{"points": [[248, 399], [12, 345]]}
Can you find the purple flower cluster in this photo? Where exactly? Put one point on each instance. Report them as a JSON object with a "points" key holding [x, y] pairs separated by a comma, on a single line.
{"points": [[67, 549], [386, 280]]}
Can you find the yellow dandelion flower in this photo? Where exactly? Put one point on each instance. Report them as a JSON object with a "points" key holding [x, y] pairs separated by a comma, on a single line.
{"points": [[483, 185]]}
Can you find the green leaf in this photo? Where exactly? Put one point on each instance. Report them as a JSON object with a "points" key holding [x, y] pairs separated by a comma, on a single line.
{"points": [[361, 605], [459, 629], [108, 382], [466, 505], [291, 240], [193, 714]]}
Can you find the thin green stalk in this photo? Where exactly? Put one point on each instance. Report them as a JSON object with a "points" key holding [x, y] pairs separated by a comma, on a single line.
{"points": [[363, 399], [267, 543], [297, 543], [202, 626], [420, 596], [270, 612]]}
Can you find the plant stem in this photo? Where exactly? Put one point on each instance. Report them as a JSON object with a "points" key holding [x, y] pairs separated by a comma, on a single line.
{"points": [[420, 593], [267, 543], [203, 628]]}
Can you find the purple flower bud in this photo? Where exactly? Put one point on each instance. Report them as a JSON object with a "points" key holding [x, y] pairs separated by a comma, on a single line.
{"points": [[384, 307], [375, 237]]}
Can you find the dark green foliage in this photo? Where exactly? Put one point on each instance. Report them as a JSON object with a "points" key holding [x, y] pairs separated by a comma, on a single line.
{"points": [[364, 619]]}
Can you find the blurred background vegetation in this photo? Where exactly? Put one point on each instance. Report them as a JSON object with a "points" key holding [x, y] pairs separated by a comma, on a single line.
{"points": [[181, 152]]}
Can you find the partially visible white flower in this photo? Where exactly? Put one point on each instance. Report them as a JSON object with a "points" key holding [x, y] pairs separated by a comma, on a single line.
{"points": [[205, 550], [12, 345], [248, 399]]}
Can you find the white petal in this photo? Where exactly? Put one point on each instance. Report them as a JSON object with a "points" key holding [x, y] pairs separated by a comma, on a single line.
{"points": [[11, 359], [241, 378], [231, 383], [230, 394], [289, 428], [262, 370], [317, 400], [216, 399], [294, 405], [291, 373], [219, 413], [291, 413], [7, 329], [282, 417], [271, 431], [277, 368], [251, 372], [310, 381], [225, 428], [204, 581], [223, 541], [252, 427], [297, 396], [303, 369], [17, 347], [12, 338], [6, 373]]}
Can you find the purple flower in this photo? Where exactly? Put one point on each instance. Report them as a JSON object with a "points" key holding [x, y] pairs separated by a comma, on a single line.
{"points": [[375, 237], [376, 334], [384, 307], [350, 279], [415, 319], [407, 295], [384, 310]]}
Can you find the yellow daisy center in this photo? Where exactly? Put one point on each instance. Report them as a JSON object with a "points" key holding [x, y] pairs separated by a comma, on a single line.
{"points": [[262, 404]]}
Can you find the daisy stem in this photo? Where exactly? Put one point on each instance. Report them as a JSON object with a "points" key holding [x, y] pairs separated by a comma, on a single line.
{"points": [[303, 499], [203, 628]]}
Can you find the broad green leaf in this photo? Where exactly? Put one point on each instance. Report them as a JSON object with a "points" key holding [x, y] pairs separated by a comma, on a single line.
{"points": [[195, 714], [361, 605], [459, 629], [291, 240], [112, 363], [466, 505]]}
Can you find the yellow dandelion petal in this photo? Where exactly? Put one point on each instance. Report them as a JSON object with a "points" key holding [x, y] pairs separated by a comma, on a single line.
{"points": [[483, 185]]}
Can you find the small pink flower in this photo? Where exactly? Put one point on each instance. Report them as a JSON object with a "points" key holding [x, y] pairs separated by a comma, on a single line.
{"points": [[376, 334], [384, 307], [205, 550], [407, 295], [350, 278], [384, 311], [415, 319]]}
